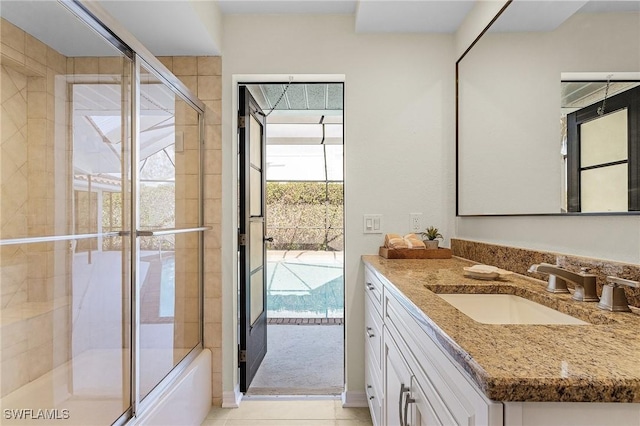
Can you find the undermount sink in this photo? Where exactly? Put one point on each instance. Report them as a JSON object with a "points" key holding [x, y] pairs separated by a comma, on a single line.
{"points": [[507, 309]]}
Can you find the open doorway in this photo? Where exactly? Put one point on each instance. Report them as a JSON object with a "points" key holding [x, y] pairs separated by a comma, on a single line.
{"points": [[304, 199]]}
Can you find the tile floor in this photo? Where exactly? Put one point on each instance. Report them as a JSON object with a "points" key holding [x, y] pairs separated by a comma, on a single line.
{"points": [[279, 412]]}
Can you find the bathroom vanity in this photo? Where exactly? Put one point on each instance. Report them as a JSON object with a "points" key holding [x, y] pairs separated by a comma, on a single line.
{"points": [[426, 362]]}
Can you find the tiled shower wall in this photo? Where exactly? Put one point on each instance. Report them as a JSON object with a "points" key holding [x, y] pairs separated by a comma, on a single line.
{"points": [[203, 75], [519, 260], [35, 202]]}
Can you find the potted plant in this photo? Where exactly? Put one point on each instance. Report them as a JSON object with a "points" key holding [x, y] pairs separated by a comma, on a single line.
{"points": [[430, 237]]}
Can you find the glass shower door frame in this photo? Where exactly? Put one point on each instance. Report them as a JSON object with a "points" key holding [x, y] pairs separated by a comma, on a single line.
{"points": [[140, 402]]}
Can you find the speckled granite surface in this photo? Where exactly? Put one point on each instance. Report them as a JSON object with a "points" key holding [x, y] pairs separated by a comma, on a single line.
{"points": [[597, 362], [519, 259]]}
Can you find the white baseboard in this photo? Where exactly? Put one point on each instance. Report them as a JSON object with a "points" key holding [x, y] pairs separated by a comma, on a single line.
{"points": [[351, 399], [232, 399]]}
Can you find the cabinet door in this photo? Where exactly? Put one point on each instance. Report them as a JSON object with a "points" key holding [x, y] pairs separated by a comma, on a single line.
{"points": [[397, 384], [422, 413]]}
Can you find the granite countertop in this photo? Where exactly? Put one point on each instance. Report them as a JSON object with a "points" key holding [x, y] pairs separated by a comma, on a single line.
{"points": [[599, 362]]}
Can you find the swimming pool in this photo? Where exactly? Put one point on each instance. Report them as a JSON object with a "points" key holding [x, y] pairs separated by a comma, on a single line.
{"points": [[305, 284]]}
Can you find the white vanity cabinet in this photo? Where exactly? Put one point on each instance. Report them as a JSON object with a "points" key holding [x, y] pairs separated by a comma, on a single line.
{"points": [[373, 346], [419, 383]]}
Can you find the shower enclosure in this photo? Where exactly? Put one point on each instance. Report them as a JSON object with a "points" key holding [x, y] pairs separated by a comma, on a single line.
{"points": [[100, 220]]}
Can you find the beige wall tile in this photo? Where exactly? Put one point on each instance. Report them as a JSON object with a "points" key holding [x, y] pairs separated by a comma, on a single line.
{"points": [[213, 137], [212, 261], [185, 65], [209, 88], [212, 211], [210, 336], [192, 187], [191, 81], [212, 238], [213, 187], [167, 61], [87, 65], [212, 287], [12, 82], [15, 373], [110, 65], [40, 330], [56, 61], [35, 67], [192, 160], [216, 360], [209, 65], [36, 84], [35, 49], [214, 304], [213, 114], [37, 131], [213, 162], [14, 109], [36, 105], [12, 36], [11, 55], [216, 389], [40, 360]]}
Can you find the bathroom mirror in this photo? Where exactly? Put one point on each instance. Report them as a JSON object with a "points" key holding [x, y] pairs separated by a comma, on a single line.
{"points": [[512, 156]]}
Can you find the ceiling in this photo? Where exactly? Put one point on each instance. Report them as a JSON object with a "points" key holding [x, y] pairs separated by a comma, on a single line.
{"points": [[310, 98], [186, 27], [194, 27]]}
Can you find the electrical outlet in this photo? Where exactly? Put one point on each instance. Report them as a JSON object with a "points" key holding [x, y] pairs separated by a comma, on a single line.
{"points": [[416, 222]]}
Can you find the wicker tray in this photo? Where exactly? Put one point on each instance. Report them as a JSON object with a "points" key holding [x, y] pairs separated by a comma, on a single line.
{"points": [[440, 253]]}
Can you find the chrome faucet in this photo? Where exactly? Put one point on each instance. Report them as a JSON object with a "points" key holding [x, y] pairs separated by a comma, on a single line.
{"points": [[613, 297], [555, 284], [584, 283]]}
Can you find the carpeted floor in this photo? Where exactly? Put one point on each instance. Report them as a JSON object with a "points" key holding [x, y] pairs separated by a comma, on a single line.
{"points": [[301, 360]]}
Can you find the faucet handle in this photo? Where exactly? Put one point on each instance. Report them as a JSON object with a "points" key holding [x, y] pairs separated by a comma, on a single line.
{"points": [[617, 282], [584, 270], [613, 297]]}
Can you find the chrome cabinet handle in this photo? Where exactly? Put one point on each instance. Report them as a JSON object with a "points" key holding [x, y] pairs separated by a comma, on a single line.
{"points": [[408, 400], [369, 334], [371, 397], [400, 403], [403, 390], [370, 286]]}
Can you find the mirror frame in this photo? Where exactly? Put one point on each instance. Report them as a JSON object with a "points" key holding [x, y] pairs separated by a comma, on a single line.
{"points": [[457, 117]]}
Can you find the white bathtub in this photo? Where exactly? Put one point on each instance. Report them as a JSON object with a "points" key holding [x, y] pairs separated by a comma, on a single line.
{"points": [[88, 391]]}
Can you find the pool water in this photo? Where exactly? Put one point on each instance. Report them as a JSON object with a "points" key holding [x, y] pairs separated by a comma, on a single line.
{"points": [[302, 288]]}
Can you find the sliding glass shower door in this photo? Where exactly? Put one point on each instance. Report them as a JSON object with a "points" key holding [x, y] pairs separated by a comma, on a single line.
{"points": [[100, 222]]}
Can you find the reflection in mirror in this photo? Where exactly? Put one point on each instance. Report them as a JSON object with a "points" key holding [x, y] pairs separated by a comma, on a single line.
{"points": [[598, 140], [511, 159]]}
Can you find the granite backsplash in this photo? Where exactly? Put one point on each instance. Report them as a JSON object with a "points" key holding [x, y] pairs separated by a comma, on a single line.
{"points": [[519, 260]]}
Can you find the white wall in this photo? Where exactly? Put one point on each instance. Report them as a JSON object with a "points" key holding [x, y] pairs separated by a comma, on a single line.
{"points": [[607, 237], [399, 142], [475, 22]]}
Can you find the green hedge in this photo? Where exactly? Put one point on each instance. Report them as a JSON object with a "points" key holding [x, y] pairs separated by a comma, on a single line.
{"points": [[304, 193], [298, 218]]}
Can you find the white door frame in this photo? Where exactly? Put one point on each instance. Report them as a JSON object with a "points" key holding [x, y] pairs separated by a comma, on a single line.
{"points": [[231, 395]]}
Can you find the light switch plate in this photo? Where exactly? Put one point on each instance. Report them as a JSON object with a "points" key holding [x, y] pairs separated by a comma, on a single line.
{"points": [[372, 224]]}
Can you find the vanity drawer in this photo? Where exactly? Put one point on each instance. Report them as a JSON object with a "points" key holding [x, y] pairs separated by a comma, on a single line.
{"points": [[373, 289], [450, 394], [373, 389], [373, 333]]}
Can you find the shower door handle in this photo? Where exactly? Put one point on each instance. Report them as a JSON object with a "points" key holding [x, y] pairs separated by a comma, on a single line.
{"points": [[172, 231], [268, 239]]}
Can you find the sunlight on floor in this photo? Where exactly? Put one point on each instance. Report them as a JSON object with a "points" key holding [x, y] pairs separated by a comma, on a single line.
{"points": [[326, 412]]}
